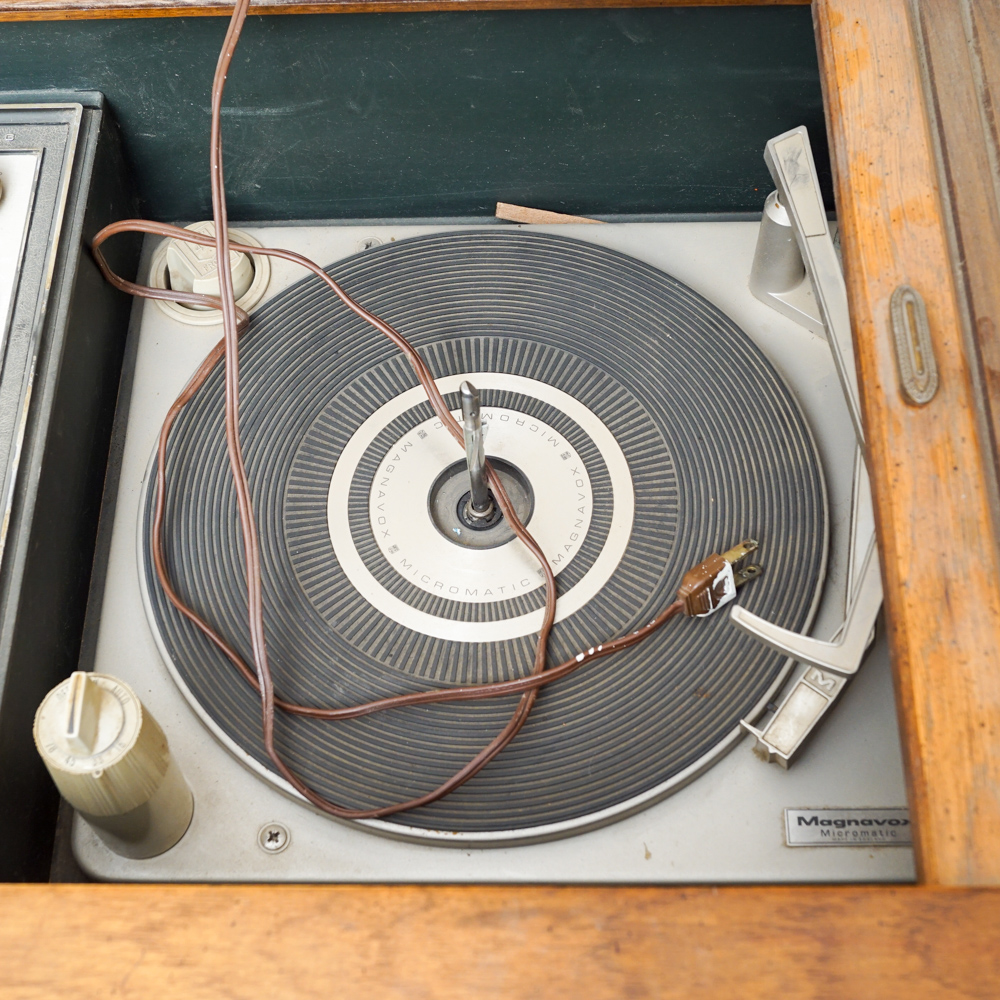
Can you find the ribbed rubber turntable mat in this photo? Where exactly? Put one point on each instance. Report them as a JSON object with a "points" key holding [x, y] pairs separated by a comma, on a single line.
{"points": [[718, 451]]}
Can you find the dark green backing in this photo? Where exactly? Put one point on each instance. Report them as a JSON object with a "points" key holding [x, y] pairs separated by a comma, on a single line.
{"points": [[442, 114]]}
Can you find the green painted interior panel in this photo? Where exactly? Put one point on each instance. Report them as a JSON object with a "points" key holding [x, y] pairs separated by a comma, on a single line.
{"points": [[442, 114]]}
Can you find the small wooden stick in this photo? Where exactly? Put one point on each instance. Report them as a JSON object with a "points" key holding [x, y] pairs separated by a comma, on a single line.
{"points": [[518, 213]]}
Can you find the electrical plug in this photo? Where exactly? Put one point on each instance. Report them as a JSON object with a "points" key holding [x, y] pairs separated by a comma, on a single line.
{"points": [[714, 582]]}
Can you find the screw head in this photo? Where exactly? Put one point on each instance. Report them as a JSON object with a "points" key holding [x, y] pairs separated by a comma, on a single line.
{"points": [[273, 838], [368, 242]]}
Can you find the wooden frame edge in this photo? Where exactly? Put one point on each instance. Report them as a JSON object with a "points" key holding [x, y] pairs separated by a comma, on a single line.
{"points": [[939, 554], [402, 942], [61, 10]]}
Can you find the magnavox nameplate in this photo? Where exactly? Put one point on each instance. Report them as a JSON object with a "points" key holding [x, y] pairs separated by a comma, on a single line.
{"points": [[847, 828]]}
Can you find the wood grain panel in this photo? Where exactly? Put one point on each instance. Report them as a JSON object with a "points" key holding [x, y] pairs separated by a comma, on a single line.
{"points": [[201, 943], [538, 216], [59, 10], [960, 43], [931, 485]]}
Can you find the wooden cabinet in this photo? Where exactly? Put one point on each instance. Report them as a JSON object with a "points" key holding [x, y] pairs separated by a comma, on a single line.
{"points": [[910, 90]]}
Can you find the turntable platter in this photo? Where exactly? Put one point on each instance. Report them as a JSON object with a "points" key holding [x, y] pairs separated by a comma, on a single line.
{"points": [[643, 429]]}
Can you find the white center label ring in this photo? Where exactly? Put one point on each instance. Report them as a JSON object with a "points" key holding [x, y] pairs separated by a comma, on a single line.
{"points": [[408, 539]]}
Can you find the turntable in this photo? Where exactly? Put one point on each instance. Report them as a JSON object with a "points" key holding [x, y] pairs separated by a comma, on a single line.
{"points": [[643, 409]]}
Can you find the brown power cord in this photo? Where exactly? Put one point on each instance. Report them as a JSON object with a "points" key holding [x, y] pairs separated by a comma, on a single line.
{"points": [[234, 321]]}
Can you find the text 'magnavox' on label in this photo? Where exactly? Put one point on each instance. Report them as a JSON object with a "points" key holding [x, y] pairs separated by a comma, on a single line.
{"points": [[847, 828]]}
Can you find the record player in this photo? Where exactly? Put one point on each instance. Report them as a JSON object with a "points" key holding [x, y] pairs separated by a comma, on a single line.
{"points": [[644, 408]]}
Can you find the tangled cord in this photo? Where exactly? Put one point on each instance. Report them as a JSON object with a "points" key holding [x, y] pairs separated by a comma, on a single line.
{"points": [[234, 321]]}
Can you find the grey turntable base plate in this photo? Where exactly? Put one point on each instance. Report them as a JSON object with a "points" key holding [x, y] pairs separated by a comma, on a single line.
{"points": [[724, 826]]}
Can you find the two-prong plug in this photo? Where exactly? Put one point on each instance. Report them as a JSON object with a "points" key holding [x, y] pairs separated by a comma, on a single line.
{"points": [[713, 583]]}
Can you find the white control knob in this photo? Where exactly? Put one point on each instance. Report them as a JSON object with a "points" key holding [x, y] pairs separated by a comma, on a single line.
{"points": [[192, 268], [110, 760]]}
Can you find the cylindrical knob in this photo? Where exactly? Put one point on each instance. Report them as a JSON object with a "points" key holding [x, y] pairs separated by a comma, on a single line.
{"points": [[192, 268], [777, 262], [110, 760]]}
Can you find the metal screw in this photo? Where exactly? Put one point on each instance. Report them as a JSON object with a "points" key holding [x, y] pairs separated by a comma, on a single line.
{"points": [[273, 838], [368, 242]]}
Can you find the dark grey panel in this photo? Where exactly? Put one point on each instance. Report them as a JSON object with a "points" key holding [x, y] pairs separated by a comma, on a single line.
{"points": [[347, 116], [46, 565]]}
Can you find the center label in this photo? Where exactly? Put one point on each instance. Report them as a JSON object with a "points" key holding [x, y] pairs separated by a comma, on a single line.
{"points": [[406, 535]]}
